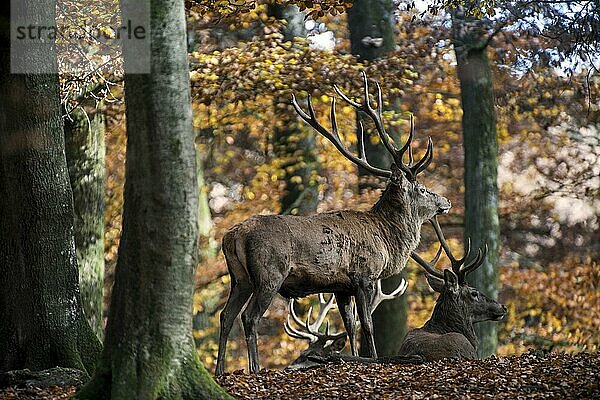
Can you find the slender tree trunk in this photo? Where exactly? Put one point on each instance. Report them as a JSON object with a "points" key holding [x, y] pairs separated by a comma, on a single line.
{"points": [[371, 26], [42, 324], [149, 352], [294, 145], [208, 245], [481, 160], [84, 142]]}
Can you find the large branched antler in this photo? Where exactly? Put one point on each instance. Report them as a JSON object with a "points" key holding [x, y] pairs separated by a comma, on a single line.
{"points": [[334, 136], [376, 114], [458, 265], [429, 266], [310, 330]]}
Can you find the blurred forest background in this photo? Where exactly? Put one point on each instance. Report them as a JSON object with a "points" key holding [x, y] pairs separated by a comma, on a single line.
{"points": [[255, 156]]}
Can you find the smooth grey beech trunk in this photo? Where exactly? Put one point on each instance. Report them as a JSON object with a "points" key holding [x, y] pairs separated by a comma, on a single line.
{"points": [[374, 19], [149, 352], [481, 160], [293, 143], [42, 324], [84, 143]]}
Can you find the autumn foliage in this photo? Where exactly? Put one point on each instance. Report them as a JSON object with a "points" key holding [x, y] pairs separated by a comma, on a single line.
{"points": [[548, 135]]}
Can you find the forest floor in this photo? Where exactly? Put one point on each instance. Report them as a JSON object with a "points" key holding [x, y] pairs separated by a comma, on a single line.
{"points": [[534, 375], [531, 375]]}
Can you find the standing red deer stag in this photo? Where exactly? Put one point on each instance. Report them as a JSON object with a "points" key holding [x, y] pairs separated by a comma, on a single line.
{"points": [[340, 252]]}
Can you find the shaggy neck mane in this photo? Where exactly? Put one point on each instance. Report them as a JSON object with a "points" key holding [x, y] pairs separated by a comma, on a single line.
{"points": [[448, 316], [392, 203], [401, 229]]}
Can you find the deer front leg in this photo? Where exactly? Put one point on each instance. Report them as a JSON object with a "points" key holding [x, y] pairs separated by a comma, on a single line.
{"points": [[344, 303], [364, 297]]}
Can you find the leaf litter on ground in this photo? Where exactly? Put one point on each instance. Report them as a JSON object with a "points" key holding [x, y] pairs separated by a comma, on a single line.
{"points": [[533, 375]]}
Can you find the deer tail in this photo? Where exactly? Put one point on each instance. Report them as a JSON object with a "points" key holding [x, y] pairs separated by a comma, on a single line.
{"points": [[235, 255]]}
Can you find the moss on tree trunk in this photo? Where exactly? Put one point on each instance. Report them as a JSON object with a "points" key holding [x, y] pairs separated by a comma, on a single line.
{"points": [[481, 160], [84, 142], [42, 324], [149, 351]]}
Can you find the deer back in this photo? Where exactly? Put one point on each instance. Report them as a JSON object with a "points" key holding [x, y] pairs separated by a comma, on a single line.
{"points": [[321, 252], [433, 346]]}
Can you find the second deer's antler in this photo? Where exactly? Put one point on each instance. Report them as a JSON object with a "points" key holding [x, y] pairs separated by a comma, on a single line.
{"points": [[311, 330], [380, 296], [458, 265]]}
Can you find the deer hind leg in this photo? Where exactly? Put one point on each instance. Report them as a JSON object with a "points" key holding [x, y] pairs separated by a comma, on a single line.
{"points": [[258, 305], [240, 293], [344, 303], [364, 297]]}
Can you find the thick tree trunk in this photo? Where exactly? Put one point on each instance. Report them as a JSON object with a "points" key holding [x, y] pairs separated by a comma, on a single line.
{"points": [[371, 26], [149, 351], [293, 144], [481, 160], [84, 143], [42, 324]]}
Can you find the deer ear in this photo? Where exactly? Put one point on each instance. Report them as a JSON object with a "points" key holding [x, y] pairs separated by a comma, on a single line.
{"points": [[338, 344], [435, 283], [450, 281]]}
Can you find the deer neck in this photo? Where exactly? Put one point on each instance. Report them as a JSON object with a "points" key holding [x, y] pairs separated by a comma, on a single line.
{"points": [[447, 317], [399, 226]]}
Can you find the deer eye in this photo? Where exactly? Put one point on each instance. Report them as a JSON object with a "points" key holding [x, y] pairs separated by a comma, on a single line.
{"points": [[474, 295], [422, 190]]}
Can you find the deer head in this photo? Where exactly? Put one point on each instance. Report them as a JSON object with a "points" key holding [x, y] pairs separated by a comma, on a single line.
{"points": [[321, 344], [402, 191]]}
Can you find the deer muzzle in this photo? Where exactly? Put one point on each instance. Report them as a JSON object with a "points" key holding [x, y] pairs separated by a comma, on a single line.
{"points": [[444, 207], [500, 314]]}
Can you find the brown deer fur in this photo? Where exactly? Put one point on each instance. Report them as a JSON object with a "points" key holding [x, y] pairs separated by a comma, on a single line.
{"points": [[340, 252]]}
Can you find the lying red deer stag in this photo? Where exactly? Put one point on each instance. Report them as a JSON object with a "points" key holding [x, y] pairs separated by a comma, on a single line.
{"points": [[340, 252], [449, 332], [323, 344]]}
